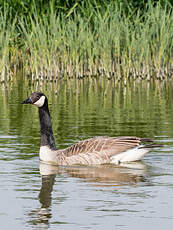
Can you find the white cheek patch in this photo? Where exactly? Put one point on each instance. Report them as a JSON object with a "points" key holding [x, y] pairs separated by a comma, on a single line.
{"points": [[40, 102]]}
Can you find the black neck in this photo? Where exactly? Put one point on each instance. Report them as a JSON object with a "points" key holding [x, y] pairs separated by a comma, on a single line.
{"points": [[47, 138]]}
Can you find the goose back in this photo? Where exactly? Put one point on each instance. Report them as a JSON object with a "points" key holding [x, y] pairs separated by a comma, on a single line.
{"points": [[98, 150]]}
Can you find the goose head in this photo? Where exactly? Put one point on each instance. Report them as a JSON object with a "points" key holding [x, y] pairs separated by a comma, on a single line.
{"points": [[37, 98]]}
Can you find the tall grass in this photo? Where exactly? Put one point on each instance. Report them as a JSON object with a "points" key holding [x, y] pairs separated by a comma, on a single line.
{"points": [[4, 46], [107, 43]]}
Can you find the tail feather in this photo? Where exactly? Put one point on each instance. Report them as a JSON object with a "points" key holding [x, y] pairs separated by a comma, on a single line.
{"points": [[150, 146], [146, 140]]}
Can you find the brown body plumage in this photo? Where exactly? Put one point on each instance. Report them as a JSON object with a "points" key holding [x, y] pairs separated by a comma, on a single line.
{"points": [[97, 150]]}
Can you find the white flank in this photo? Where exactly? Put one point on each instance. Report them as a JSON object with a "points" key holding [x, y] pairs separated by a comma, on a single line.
{"points": [[130, 155], [40, 102], [47, 154]]}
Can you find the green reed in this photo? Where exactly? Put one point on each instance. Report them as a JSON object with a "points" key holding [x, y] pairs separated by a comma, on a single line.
{"points": [[109, 43], [4, 46]]}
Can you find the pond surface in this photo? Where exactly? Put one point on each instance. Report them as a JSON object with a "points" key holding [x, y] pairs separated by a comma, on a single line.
{"points": [[132, 196]]}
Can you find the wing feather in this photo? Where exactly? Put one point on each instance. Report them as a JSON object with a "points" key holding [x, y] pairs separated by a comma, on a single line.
{"points": [[108, 145]]}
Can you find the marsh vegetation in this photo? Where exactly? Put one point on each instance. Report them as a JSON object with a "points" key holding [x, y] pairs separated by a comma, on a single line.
{"points": [[86, 39]]}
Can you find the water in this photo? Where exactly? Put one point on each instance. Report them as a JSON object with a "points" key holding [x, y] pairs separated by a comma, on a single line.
{"points": [[133, 196]]}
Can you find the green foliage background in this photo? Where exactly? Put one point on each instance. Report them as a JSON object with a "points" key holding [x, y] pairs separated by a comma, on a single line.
{"points": [[85, 8], [126, 38]]}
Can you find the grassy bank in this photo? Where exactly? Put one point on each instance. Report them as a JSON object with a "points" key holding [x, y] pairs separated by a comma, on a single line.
{"points": [[109, 43]]}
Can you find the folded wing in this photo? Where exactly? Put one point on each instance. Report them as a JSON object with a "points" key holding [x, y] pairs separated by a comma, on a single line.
{"points": [[98, 150]]}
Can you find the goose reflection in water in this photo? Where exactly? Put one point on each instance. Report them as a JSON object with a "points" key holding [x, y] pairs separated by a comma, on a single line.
{"points": [[40, 216], [104, 175]]}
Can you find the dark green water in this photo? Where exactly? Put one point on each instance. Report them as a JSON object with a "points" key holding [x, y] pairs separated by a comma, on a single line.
{"points": [[133, 196]]}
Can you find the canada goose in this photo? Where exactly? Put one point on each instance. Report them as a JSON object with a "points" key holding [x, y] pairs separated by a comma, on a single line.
{"points": [[97, 150]]}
